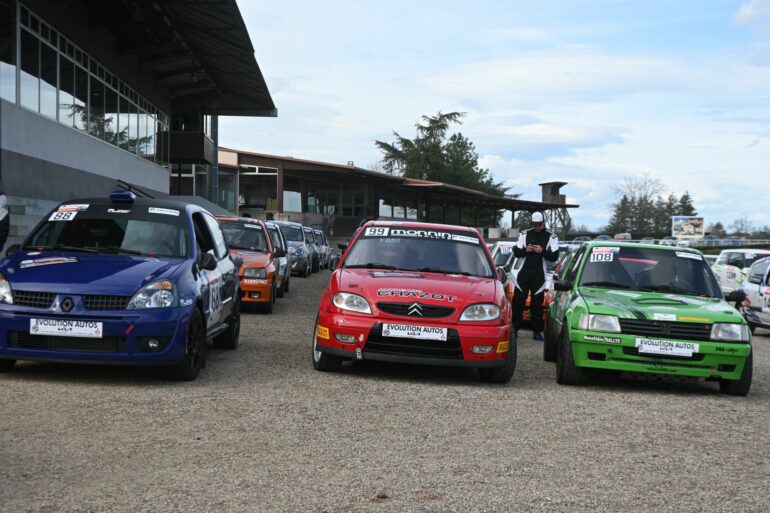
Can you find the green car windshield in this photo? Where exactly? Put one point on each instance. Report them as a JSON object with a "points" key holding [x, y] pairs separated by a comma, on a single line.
{"points": [[650, 270]]}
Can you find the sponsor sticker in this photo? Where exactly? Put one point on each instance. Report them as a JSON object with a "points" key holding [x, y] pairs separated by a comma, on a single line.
{"points": [[602, 338], [412, 331], [66, 328], [603, 254], [506, 249], [503, 346], [376, 231], [63, 216], [396, 275], [416, 294], [254, 282], [74, 207], [687, 254], [322, 332], [118, 211], [663, 316], [666, 347], [164, 211], [24, 264]]}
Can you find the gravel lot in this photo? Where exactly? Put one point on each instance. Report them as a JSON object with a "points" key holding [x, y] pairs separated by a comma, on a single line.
{"points": [[262, 431]]}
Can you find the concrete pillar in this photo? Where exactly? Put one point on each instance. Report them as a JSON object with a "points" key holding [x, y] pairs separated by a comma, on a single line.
{"points": [[279, 188], [213, 175]]}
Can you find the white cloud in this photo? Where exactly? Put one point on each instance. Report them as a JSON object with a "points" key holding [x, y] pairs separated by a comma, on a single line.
{"points": [[516, 34], [752, 11]]}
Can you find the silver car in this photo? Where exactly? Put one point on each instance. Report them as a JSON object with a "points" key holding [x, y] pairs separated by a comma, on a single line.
{"points": [[283, 275], [299, 248], [315, 253], [323, 247]]}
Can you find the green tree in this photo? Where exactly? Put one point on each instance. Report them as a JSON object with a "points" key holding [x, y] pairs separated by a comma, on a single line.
{"points": [[433, 155], [686, 207], [717, 229], [620, 222]]}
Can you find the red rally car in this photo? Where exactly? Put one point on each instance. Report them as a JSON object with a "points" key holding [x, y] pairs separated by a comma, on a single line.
{"points": [[416, 293]]}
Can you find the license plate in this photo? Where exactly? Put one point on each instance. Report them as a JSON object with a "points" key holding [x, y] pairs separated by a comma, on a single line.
{"points": [[66, 328], [666, 347], [412, 331]]}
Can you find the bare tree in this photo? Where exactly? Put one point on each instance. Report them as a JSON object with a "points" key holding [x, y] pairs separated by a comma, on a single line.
{"points": [[743, 225]]}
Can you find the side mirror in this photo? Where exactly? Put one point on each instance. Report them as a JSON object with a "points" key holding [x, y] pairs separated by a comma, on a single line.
{"points": [[12, 249], [208, 262], [562, 285], [736, 296], [279, 253], [503, 274], [343, 245], [756, 280]]}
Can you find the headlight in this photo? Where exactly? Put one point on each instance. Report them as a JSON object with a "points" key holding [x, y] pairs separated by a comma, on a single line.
{"points": [[352, 302], [481, 312], [292, 250], [595, 322], [6, 296], [730, 332], [160, 294], [253, 272], [301, 251]]}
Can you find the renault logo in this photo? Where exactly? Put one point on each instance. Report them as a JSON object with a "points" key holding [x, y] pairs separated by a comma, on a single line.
{"points": [[67, 304], [415, 310]]}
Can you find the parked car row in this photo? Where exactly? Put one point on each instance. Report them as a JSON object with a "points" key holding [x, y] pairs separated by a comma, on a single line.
{"points": [[128, 280]]}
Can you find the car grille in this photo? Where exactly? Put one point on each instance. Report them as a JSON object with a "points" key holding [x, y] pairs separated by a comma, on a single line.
{"points": [[33, 299], [106, 302], [451, 349], [670, 330], [427, 311], [22, 340], [633, 351]]}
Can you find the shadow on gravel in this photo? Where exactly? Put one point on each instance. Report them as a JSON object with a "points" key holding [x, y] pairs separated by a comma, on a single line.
{"points": [[623, 383], [427, 374]]}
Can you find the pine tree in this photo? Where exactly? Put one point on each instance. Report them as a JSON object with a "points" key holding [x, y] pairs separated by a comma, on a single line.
{"points": [[686, 207], [620, 222]]}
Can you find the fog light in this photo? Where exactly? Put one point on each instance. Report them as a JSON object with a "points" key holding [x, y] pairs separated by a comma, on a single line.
{"points": [[345, 339], [153, 344], [482, 349], [255, 295]]}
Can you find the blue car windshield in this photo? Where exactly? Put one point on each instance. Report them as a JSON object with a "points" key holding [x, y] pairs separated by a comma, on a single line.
{"points": [[110, 229]]}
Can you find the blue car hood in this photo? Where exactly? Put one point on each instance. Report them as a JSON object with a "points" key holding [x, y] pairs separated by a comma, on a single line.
{"points": [[83, 273]]}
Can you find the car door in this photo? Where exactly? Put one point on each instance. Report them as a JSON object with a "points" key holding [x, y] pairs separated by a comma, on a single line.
{"points": [[736, 261], [719, 269], [757, 291], [226, 267], [563, 298]]}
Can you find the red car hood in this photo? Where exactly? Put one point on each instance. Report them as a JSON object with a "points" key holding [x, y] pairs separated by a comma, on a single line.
{"points": [[251, 258], [456, 291]]}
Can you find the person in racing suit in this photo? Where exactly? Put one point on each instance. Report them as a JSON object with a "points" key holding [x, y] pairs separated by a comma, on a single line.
{"points": [[535, 245]]}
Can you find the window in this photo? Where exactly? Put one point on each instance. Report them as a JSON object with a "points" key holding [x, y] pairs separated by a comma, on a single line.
{"points": [[29, 82], [48, 81], [8, 50], [66, 92], [219, 239]]}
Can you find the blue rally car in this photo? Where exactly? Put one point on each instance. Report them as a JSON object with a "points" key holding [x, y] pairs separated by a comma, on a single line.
{"points": [[120, 280]]}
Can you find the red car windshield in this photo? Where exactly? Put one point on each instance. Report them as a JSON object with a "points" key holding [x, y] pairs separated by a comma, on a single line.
{"points": [[417, 249]]}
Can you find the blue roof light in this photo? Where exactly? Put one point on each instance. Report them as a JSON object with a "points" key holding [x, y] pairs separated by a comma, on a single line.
{"points": [[122, 196]]}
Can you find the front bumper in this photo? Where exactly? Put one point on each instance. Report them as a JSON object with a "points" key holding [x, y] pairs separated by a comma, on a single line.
{"points": [[454, 352], [123, 341], [713, 359], [255, 290]]}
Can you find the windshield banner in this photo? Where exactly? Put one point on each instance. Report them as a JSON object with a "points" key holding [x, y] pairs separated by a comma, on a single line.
{"points": [[383, 231]]}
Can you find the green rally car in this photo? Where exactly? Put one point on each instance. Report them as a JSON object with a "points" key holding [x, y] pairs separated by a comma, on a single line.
{"points": [[646, 308]]}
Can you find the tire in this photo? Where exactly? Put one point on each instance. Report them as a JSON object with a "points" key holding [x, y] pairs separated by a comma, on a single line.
{"points": [[323, 362], [195, 352], [316, 266], [567, 373], [267, 308], [740, 386], [550, 344], [306, 274], [7, 365], [286, 284], [229, 338], [279, 291], [502, 375]]}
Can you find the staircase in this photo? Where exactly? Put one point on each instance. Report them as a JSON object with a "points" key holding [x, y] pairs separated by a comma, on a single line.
{"points": [[25, 214]]}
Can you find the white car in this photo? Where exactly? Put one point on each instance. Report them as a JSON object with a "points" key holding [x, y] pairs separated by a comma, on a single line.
{"points": [[502, 253], [756, 306], [732, 265]]}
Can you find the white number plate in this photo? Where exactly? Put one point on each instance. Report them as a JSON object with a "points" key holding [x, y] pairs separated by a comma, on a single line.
{"points": [[66, 328], [411, 331], [666, 347]]}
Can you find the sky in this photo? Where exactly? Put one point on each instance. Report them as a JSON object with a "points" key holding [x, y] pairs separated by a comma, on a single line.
{"points": [[586, 92]]}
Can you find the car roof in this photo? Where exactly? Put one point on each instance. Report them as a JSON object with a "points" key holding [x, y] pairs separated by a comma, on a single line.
{"points": [[287, 223], [746, 251], [141, 202], [421, 225], [250, 220]]}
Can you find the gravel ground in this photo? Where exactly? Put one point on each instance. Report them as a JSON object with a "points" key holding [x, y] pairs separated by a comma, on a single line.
{"points": [[262, 431]]}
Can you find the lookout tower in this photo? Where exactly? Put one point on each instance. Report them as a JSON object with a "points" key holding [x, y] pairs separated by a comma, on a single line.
{"points": [[557, 218]]}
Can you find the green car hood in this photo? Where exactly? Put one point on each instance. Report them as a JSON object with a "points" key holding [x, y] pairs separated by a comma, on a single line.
{"points": [[628, 304]]}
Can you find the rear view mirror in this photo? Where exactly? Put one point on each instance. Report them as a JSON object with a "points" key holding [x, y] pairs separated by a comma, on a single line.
{"points": [[343, 245], [562, 285], [736, 296], [12, 249], [208, 262], [279, 253]]}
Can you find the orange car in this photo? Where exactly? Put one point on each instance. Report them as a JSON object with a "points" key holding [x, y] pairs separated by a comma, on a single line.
{"points": [[250, 243]]}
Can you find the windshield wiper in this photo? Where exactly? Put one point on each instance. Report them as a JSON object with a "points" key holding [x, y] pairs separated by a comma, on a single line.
{"points": [[440, 271], [605, 285], [118, 250], [64, 247], [371, 265], [669, 288]]}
